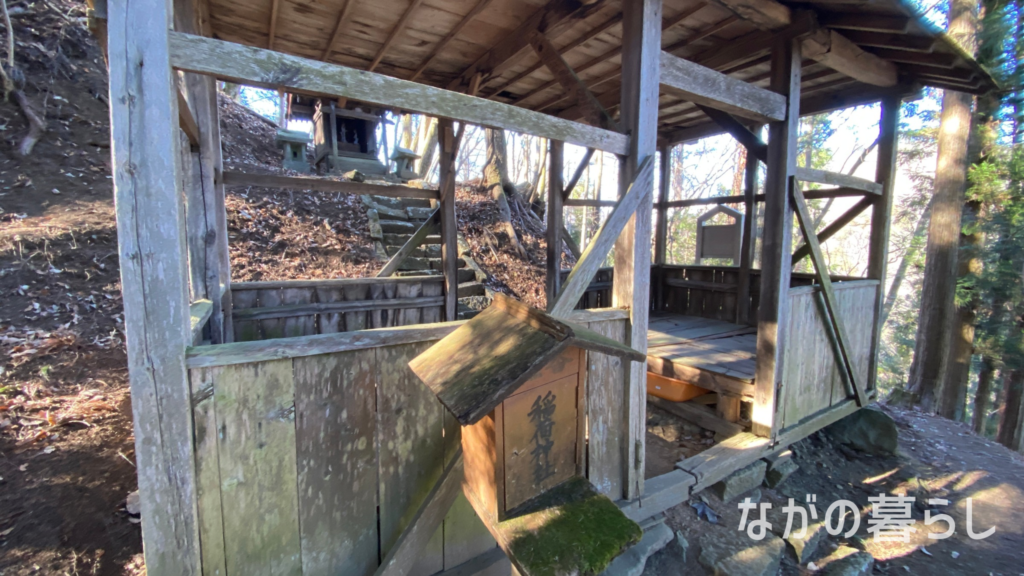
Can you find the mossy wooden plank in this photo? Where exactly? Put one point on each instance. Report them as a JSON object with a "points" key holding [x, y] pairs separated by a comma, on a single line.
{"points": [[300, 325], [271, 328], [572, 529], [356, 320], [337, 462], [476, 367], [606, 389], [246, 331], [204, 420], [256, 446], [410, 421]]}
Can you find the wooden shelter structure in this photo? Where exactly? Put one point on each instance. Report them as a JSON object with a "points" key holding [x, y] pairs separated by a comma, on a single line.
{"points": [[315, 449]]}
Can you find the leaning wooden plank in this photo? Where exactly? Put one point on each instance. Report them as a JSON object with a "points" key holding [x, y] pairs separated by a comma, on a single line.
{"points": [[660, 493], [244, 352], [292, 310], [843, 343], [428, 227], [830, 230], [402, 557], [264, 68], [144, 150], [575, 179], [699, 415], [256, 448], [336, 458], [712, 88], [596, 253], [571, 529], [233, 178], [838, 179], [605, 397]]}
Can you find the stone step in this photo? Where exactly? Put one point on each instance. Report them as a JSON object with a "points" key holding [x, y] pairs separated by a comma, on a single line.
{"points": [[471, 289], [418, 213], [397, 226], [466, 275], [393, 203], [421, 252], [414, 202], [391, 213], [401, 239], [417, 273]]}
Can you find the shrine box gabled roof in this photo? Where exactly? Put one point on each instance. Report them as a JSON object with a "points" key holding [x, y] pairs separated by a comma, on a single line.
{"points": [[477, 366]]}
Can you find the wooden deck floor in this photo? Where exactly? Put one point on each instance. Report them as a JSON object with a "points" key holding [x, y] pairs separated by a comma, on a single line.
{"points": [[709, 353]]}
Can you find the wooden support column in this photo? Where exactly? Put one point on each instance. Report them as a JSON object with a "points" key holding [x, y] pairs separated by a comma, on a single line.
{"points": [[777, 240], [881, 217], [554, 215], [661, 225], [449, 229], [154, 278], [749, 233], [641, 61], [665, 185]]}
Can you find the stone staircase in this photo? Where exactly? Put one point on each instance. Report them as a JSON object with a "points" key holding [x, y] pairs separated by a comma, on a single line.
{"points": [[394, 220]]}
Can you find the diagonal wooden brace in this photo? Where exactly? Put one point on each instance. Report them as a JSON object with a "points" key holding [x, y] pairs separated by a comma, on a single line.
{"points": [[583, 273], [407, 549], [843, 352], [429, 226]]}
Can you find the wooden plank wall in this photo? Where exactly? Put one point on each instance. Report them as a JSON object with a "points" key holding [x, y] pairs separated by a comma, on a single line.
{"points": [[599, 293], [315, 464], [812, 380], [264, 310]]}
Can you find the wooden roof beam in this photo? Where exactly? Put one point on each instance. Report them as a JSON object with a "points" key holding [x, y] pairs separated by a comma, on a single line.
{"points": [[402, 22], [599, 29], [275, 7], [450, 36], [594, 112], [666, 24], [553, 19], [864, 21], [752, 142], [712, 88], [338, 26], [825, 45]]}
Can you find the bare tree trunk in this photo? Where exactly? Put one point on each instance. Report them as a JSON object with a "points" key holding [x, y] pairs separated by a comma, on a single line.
{"points": [[984, 391], [498, 184], [937, 308], [1009, 434], [908, 256], [428, 148]]}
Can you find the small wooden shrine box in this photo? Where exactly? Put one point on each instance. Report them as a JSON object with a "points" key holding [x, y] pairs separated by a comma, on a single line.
{"points": [[514, 377]]}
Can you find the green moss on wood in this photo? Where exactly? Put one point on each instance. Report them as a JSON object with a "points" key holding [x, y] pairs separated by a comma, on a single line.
{"points": [[572, 529]]}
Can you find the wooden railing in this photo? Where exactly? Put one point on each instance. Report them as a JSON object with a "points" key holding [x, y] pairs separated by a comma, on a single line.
{"points": [[330, 443], [264, 310]]}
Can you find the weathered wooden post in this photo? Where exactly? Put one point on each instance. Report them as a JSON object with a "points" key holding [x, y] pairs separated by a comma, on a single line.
{"points": [[776, 248], [553, 282], [154, 278], [641, 56]]}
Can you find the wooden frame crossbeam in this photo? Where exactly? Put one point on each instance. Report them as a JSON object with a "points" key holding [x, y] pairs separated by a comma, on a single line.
{"points": [[264, 68], [428, 227], [186, 121], [837, 179], [596, 253], [835, 324], [233, 178], [711, 88]]}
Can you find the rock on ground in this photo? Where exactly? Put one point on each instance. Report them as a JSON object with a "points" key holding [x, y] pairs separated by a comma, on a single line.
{"points": [[868, 430], [857, 563], [741, 481], [735, 554], [632, 561]]}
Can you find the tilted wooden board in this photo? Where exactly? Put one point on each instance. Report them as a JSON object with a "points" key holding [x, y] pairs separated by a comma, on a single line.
{"points": [[712, 88]]}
